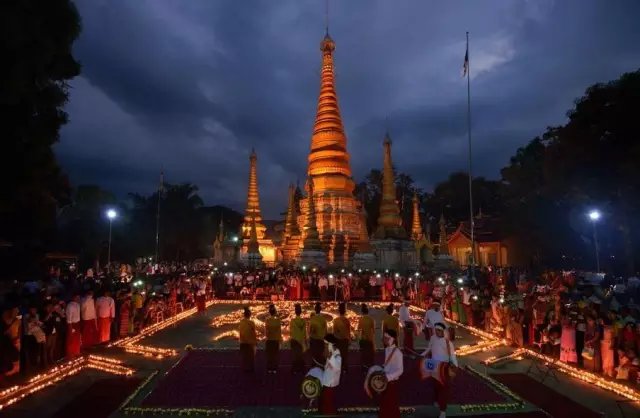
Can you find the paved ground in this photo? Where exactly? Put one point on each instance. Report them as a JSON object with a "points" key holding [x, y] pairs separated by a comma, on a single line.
{"points": [[197, 331]]}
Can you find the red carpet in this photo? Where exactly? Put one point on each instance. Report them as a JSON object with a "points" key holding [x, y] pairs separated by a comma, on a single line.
{"points": [[545, 398], [100, 399], [212, 379]]}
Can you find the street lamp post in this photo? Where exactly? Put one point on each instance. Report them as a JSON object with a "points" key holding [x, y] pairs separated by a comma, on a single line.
{"points": [[594, 216], [111, 215]]}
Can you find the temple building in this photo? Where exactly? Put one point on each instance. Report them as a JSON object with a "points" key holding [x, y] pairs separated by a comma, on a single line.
{"points": [[253, 220], [394, 249], [490, 247], [336, 210]]}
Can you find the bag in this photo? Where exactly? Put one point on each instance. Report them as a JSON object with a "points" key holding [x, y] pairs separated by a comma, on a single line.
{"points": [[587, 353]]}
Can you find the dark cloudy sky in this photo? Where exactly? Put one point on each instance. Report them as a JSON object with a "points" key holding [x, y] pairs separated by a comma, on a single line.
{"points": [[192, 85]]}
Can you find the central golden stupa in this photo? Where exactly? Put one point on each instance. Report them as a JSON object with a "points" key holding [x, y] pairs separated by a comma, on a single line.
{"points": [[337, 211]]}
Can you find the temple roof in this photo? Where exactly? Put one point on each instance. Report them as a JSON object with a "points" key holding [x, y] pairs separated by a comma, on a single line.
{"points": [[487, 229]]}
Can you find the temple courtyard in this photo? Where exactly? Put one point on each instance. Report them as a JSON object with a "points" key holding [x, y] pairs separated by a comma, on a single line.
{"points": [[190, 366]]}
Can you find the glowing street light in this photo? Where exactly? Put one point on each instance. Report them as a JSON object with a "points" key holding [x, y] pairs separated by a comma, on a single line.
{"points": [[235, 239], [111, 215], [594, 216]]}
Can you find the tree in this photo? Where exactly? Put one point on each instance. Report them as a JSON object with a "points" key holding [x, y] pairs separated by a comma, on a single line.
{"points": [[593, 159], [36, 43]]}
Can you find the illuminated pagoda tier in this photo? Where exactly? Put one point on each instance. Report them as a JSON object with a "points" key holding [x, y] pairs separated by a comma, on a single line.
{"points": [[311, 251], [338, 220], [393, 247], [422, 242], [291, 237], [253, 219], [254, 258]]}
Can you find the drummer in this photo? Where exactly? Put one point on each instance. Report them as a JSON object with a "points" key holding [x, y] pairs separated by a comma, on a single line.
{"points": [[330, 377], [393, 368], [432, 317], [247, 331], [442, 350], [408, 325]]}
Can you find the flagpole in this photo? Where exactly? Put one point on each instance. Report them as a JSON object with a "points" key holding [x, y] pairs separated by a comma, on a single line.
{"points": [[471, 222], [158, 216]]}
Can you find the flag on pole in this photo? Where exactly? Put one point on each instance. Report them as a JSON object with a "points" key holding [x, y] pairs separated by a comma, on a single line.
{"points": [[465, 66]]}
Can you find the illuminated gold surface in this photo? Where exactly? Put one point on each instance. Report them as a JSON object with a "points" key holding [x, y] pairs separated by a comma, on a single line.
{"points": [[416, 226]]}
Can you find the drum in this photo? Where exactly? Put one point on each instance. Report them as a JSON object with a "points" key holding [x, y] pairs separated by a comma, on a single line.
{"points": [[312, 383], [376, 381], [432, 368]]}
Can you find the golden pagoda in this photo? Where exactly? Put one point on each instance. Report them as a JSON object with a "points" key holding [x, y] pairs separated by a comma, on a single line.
{"points": [[389, 221], [291, 236], [311, 251], [424, 248], [253, 218], [338, 220], [392, 246]]}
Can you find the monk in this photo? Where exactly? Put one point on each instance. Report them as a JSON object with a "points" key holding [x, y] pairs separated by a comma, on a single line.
{"points": [[390, 321], [342, 332], [298, 341], [274, 336], [248, 340], [317, 331], [367, 330]]}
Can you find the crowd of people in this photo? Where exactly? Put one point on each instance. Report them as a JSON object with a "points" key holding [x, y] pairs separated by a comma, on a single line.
{"points": [[594, 324], [67, 313]]}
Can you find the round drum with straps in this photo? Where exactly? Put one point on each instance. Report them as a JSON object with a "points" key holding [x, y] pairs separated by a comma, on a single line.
{"points": [[376, 381], [312, 383]]}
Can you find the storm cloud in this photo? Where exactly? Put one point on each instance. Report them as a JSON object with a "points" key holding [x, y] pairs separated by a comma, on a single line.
{"points": [[192, 86]]}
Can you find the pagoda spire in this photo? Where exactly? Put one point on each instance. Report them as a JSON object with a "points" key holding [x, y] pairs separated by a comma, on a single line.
{"points": [[253, 213], [311, 236], [389, 221], [221, 228], [291, 225], [416, 226], [254, 246], [443, 247], [328, 156]]}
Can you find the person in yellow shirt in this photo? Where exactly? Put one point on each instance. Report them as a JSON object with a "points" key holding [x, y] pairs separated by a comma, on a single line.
{"points": [[367, 331], [247, 330], [274, 336], [390, 321], [342, 332], [317, 331], [298, 341]]}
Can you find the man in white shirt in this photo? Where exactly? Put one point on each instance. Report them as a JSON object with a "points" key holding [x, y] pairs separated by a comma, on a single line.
{"points": [[88, 320], [466, 305], [323, 285], [432, 317], [443, 351], [330, 377], [106, 311], [393, 368], [408, 325], [72, 313]]}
